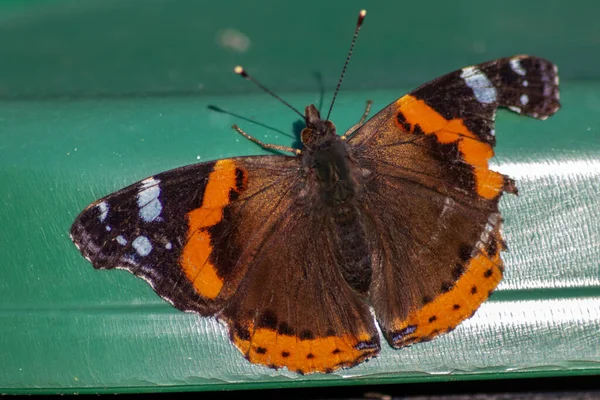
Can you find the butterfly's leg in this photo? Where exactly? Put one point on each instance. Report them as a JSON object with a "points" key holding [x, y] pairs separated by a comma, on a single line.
{"points": [[360, 122], [266, 145]]}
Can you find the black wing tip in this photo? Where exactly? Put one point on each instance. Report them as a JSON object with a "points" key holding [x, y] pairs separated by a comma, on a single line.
{"points": [[533, 87], [85, 239], [82, 240]]}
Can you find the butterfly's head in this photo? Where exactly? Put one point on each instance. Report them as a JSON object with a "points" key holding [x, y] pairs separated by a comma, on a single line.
{"points": [[317, 131]]}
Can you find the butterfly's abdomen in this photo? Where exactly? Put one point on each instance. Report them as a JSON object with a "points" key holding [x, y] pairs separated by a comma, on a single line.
{"points": [[352, 247]]}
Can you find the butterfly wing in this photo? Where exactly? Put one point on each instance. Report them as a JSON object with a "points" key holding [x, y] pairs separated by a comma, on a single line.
{"points": [[236, 238], [174, 229], [432, 201]]}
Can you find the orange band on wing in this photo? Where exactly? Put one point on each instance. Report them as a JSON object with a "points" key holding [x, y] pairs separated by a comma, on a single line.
{"points": [[476, 153], [195, 255], [482, 274], [322, 354]]}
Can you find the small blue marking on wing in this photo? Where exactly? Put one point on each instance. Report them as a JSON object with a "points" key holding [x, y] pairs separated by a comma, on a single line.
{"points": [[142, 245], [103, 208], [147, 200], [483, 88]]}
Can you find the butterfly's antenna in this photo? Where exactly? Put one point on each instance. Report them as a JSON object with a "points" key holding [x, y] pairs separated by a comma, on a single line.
{"points": [[242, 72], [361, 17]]}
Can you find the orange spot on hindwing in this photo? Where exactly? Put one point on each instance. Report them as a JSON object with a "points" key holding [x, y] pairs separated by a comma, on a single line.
{"points": [[303, 355], [225, 179], [415, 116]]}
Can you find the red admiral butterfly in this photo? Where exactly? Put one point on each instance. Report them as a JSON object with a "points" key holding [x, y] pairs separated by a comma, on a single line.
{"points": [[398, 215]]}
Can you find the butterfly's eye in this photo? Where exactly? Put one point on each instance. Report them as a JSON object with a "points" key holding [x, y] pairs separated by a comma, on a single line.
{"points": [[307, 136]]}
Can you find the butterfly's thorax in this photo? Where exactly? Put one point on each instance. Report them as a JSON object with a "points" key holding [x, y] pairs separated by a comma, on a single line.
{"points": [[327, 161], [332, 170]]}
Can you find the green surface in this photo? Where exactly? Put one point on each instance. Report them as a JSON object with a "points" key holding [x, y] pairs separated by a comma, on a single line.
{"points": [[98, 96], [132, 47]]}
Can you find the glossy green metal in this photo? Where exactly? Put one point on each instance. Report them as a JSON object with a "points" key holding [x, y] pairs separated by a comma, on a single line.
{"points": [[96, 96]]}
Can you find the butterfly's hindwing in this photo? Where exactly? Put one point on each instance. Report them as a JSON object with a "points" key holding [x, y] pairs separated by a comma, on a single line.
{"points": [[295, 309]]}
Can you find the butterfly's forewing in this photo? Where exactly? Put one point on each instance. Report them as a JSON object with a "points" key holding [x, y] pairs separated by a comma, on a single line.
{"points": [[237, 238], [176, 229], [432, 201]]}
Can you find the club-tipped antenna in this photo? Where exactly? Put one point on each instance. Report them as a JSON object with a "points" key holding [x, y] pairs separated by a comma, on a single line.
{"points": [[361, 17], [242, 72]]}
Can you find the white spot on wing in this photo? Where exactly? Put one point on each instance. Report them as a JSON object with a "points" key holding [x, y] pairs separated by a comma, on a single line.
{"points": [[515, 65], [524, 99], [525, 83], [483, 89], [515, 109], [121, 240], [142, 245], [147, 200], [168, 246], [103, 208]]}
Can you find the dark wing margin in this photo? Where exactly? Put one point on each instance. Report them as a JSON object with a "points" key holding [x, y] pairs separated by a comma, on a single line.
{"points": [[432, 201]]}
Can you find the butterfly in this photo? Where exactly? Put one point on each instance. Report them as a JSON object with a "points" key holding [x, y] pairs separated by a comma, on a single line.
{"points": [[394, 223]]}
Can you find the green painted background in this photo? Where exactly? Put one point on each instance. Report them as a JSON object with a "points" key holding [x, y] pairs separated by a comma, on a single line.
{"points": [[96, 95]]}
